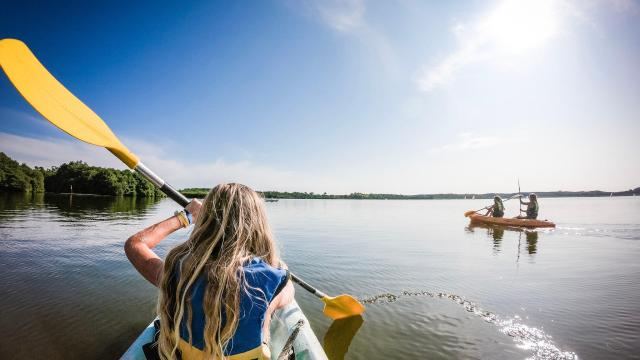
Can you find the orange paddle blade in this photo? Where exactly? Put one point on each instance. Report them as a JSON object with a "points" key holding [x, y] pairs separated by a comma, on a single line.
{"points": [[342, 306]]}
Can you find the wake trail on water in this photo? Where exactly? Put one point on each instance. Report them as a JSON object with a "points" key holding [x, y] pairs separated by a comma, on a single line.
{"points": [[526, 337]]}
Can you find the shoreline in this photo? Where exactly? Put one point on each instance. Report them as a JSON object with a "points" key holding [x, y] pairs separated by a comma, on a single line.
{"points": [[272, 195], [79, 194]]}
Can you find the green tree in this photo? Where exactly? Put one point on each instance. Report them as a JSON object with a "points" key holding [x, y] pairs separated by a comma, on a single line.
{"points": [[19, 178], [76, 177]]}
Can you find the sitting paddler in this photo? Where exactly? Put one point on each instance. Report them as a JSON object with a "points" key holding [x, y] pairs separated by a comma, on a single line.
{"points": [[532, 207], [218, 289], [497, 209]]}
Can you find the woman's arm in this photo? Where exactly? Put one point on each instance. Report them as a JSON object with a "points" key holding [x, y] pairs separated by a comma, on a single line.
{"points": [[284, 298], [286, 295], [139, 246]]}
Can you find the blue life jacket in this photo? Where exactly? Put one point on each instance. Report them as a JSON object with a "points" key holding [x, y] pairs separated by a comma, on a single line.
{"points": [[264, 283]]}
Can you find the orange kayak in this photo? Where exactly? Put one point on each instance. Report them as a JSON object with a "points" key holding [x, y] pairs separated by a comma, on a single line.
{"points": [[528, 223]]}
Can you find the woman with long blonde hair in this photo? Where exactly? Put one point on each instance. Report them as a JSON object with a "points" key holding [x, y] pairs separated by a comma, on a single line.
{"points": [[218, 289]]}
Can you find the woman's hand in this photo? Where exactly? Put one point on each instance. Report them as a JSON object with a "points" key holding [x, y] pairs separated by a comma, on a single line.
{"points": [[194, 209]]}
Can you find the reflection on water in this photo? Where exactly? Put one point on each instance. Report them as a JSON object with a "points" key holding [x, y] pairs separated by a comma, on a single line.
{"points": [[90, 206], [66, 289], [75, 206], [340, 335], [532, 242], [496, 233]]}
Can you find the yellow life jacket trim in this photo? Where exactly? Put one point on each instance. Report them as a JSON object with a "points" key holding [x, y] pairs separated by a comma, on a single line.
{"points": [[190, 352]]}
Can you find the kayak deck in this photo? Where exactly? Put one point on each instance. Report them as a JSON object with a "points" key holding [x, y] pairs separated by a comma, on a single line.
{"points": [[284, 321], [528, 223]]}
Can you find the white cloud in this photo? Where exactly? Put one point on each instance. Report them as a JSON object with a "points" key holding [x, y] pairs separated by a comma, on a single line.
{"points": [[630, 6], [583, 11], [468, 141], [510, 29], [348, 17], [55, 151], [447, 168], [209, 173], [343, 16]]}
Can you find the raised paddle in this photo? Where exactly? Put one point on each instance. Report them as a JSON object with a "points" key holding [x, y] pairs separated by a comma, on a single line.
{"points": [[60, 107], [520, 194]]}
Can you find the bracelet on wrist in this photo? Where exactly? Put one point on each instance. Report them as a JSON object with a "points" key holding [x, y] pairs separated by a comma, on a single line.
{"points": [[189, 216], [182, 217]]}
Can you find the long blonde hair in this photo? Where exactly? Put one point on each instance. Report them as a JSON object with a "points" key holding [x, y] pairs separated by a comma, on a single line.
{"points": [[231, 229]]}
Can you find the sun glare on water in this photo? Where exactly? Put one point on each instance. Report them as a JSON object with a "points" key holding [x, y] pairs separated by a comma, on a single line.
{"points": [[516, 25]]}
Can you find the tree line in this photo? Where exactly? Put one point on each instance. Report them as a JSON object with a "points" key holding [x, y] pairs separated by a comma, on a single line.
{"points": [[202, 192], [73, 177], [78, 177]]}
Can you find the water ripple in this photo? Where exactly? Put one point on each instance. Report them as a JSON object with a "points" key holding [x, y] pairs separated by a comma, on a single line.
{"points": [[529, 338]]}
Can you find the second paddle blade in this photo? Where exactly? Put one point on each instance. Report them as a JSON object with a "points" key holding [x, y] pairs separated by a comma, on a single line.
{"points": [[342, 306]]}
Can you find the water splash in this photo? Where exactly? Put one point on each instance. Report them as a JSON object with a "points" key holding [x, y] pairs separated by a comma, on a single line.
{"points": [[526, 337]]}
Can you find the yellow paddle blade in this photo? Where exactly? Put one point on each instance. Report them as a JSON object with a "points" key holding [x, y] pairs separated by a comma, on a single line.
{"points": [[57, 104], [469, 213], [342, 306]]}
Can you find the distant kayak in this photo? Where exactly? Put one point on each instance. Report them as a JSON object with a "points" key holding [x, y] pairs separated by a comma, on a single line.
{"points": [[528, 223]]}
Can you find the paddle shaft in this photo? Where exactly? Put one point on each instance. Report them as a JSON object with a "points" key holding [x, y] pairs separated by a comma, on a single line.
{"points": [[176, 196], [520, 193], [486, 207], [308, 287], [156, 180]]}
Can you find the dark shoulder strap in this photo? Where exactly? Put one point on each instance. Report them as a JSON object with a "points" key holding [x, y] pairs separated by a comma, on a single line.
{"points": [[150, 350], [283, 283]]}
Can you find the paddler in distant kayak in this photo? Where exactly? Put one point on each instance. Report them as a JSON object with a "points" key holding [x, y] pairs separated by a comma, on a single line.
{"points": [[497, 209], [532, 207]]}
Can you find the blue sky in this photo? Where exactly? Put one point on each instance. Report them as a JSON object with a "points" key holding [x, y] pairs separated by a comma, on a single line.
{"points": [[386, 96]]}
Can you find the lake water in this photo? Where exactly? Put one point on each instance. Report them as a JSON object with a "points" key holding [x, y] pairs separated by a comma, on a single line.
{"points": [[434, 287]]}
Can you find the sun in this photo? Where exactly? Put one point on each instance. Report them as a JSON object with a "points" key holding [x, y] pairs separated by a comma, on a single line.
{"points": [[519, 25]]}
